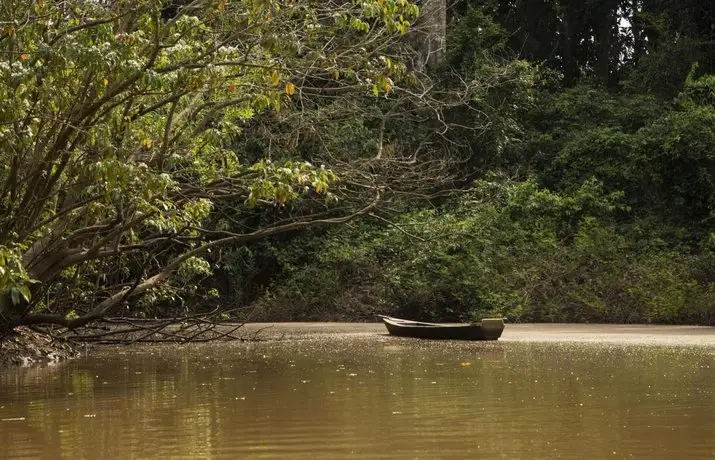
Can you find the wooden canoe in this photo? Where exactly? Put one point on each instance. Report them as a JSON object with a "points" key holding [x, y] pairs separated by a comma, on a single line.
{"points": [[487, 329]]}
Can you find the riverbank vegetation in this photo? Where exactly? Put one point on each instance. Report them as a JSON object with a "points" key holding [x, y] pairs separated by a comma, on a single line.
{"points": [[594, 199], [542, 160]]}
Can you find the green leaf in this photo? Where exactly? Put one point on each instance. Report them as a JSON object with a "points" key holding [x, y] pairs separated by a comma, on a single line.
{"points": [[15, 296], [25, 292]]}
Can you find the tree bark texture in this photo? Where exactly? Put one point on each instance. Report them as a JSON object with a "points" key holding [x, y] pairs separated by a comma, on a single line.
{"points": [[431, 34]]}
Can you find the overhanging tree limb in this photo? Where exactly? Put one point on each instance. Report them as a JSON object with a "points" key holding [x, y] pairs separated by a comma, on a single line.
{"points": [[140, 287]]}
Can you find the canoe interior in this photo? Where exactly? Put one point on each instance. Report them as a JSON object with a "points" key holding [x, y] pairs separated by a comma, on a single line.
{"points": [[487, 329]]}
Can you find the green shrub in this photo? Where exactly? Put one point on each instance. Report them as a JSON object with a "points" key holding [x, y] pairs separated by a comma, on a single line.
{"points": [[501, 249]]}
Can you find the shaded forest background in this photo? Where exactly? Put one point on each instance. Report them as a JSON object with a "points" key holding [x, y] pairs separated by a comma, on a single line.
{"points": [[590, 196], [541, 160]]}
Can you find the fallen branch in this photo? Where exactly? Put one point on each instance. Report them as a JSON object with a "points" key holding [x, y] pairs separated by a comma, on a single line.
{"points": [[203, 327]]}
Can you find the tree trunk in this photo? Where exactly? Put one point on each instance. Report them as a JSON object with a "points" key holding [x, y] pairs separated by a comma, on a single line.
{"points": [[604, 37], [637, 30], [569, 30], [431, 34]]}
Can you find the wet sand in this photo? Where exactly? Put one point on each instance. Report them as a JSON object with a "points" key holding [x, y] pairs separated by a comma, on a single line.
{"points": [[597, 333]]}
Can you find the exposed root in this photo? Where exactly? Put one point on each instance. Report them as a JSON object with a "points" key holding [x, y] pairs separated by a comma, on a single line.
{"points": [[25, 346]]}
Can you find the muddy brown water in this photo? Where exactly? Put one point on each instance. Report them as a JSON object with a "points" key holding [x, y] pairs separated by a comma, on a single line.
{"points": [[350, 391]]}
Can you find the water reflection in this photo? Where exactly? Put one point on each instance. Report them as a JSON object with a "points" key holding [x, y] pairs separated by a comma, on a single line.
{"points": [[366, 397]]}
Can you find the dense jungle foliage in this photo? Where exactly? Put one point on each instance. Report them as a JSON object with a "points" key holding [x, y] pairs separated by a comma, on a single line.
{"points": [[594, 198], [322, 160]]}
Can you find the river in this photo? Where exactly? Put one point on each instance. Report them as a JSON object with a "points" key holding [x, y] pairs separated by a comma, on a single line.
{"points": [[333, 391]]}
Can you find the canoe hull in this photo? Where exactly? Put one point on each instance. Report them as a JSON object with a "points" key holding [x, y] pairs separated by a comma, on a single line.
{"points": [[488, 329]]}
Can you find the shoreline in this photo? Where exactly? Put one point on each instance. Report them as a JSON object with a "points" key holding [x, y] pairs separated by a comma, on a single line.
{"points": [[643, 334], [25, 347], [524, 332]]}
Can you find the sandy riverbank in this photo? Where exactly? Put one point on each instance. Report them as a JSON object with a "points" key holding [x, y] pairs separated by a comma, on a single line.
{"points": [[603, 333]]}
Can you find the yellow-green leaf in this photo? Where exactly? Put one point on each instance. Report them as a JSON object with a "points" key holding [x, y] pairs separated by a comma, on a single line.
{"points": [[388, 86], [290, 89]]}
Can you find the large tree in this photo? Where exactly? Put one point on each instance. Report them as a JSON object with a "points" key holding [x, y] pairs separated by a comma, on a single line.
{"points": [[119, 122]]}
